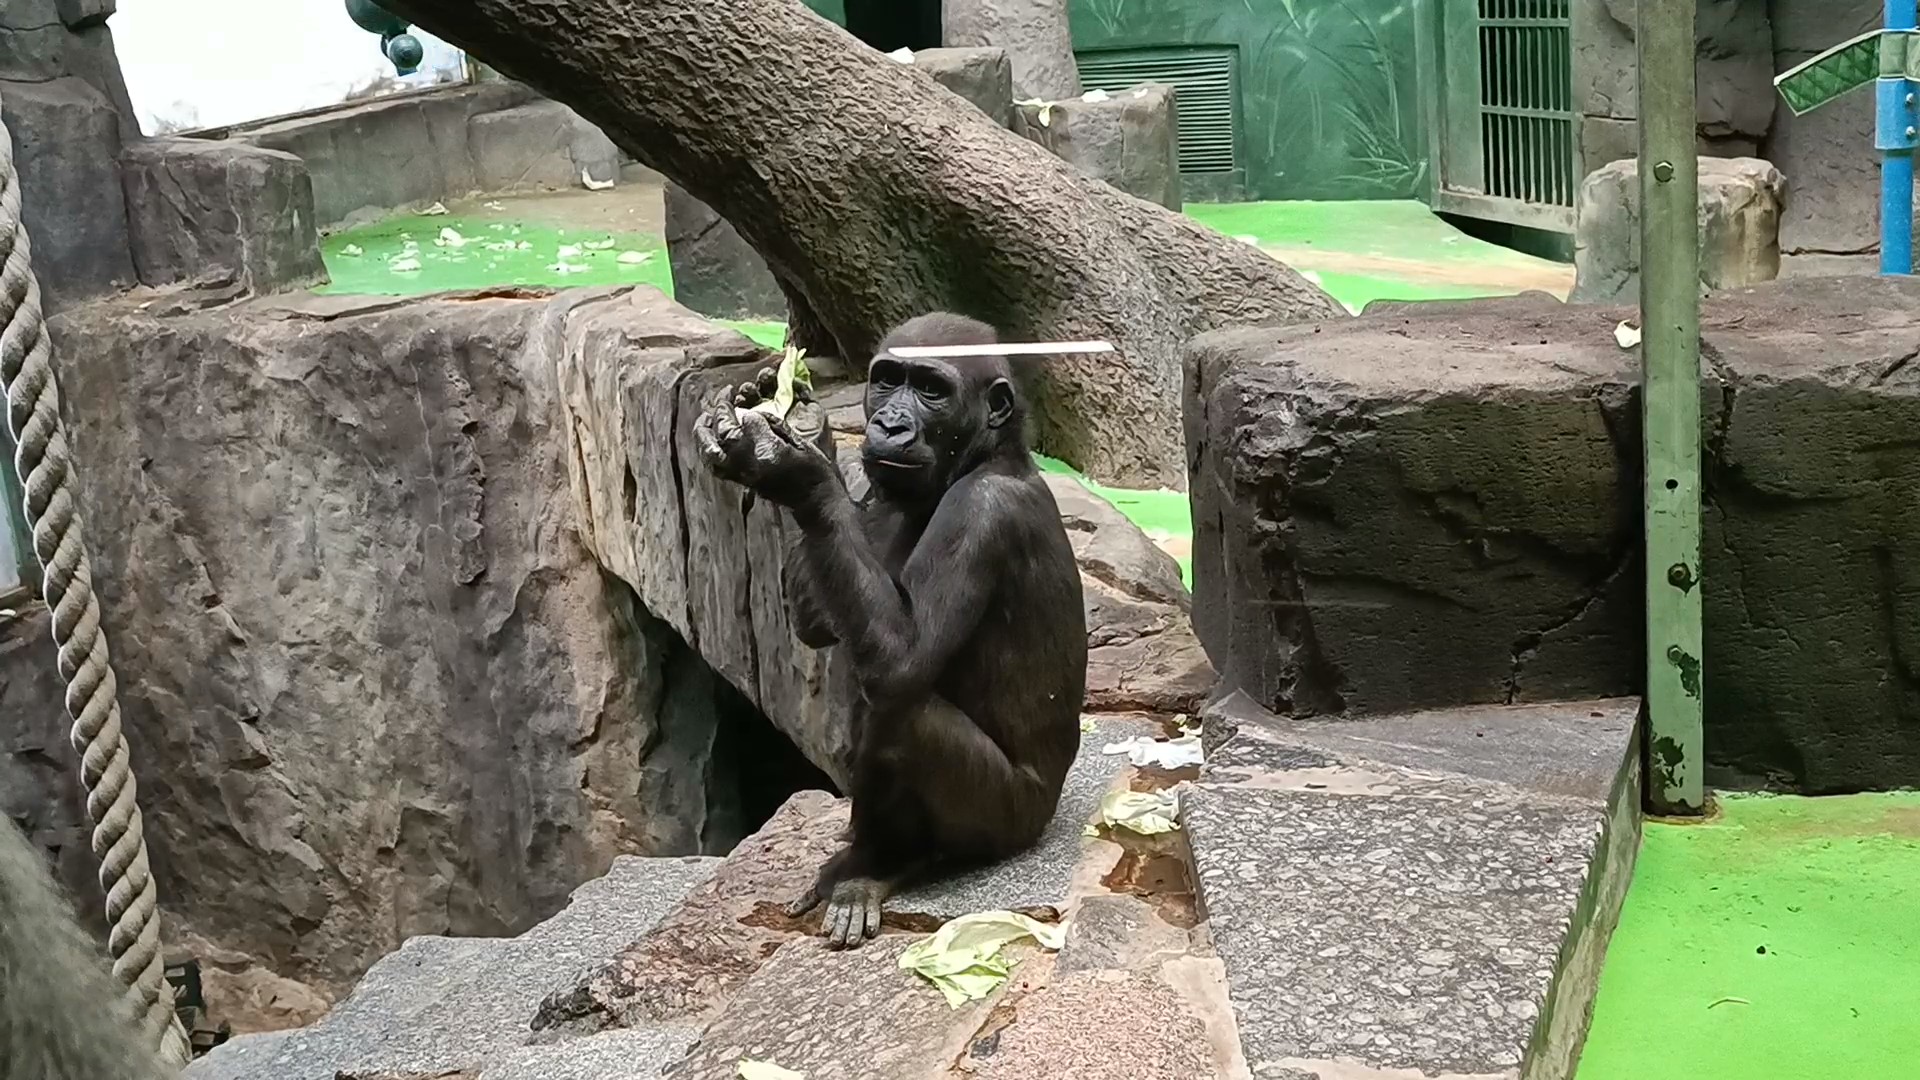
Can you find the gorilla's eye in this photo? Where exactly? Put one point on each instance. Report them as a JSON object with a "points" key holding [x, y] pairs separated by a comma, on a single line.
{"points": [[931, 388], [884, 374]]}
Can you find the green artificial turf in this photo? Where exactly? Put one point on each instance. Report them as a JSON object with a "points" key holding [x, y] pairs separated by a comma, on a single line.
{"points": [[1779, 940]]}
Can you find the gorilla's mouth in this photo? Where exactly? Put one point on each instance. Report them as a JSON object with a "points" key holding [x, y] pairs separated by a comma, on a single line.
{"points": [[897, 464]]}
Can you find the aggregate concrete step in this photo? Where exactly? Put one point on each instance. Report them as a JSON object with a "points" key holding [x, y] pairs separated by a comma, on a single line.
{"points": [[440, 1004], [1428, 892], [692, 962]]}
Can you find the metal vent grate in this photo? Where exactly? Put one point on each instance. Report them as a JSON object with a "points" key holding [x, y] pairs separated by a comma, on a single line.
{"points": [[1203, 84], [1526, 100]]}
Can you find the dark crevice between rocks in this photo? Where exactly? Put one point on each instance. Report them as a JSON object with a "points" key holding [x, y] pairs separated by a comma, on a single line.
{"points": [[710, 737]]}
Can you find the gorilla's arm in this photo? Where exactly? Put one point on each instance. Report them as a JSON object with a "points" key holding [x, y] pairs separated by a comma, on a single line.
{"points": [[809, 623], [901, 637]]}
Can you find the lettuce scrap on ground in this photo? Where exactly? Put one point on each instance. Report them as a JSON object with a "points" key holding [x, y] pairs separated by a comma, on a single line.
{"points": [[964, 958]]}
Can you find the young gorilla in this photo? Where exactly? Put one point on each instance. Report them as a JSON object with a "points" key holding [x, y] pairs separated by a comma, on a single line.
{"points": [[59, 1007], [955, 594]]}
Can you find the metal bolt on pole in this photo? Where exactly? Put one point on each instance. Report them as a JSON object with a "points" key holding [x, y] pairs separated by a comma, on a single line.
{"points": [[1670, 392]]}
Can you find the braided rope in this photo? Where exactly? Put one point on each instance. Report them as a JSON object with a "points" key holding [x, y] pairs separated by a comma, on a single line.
{"points": [[119, 840]]}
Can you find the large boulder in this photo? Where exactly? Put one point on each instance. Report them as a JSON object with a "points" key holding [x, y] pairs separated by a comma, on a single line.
{"points": [[1130, 139], [715, 271], [204, 208], [66, 136], [1739, 221], [376, 684], [981, 75], [1034, 34], [542, 144], [1462, 525]]}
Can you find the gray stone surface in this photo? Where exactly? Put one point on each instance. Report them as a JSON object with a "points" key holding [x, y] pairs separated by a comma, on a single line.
{"points": [[1141, 649], [848, 1014], [715, 271], [1735, 92], [201, 209], [66, 135], [39, 778], [1097, 1026], [633, 1054], [350, 521], [1034, 34], [1129, 140], [542, 144], [449, 1003], [1375, 911], [1739, 218], [1119, 932], [983, 76], [388, 153], [1496, 466]]}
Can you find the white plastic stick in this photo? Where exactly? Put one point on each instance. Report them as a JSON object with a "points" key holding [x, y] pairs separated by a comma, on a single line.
{"points": [[1005, 348]]}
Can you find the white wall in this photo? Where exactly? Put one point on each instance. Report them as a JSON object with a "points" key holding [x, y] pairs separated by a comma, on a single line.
{"points": [[206, 63]]}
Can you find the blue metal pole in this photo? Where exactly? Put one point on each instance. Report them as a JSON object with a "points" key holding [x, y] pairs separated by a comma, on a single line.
{"points": [[1894, 136]]}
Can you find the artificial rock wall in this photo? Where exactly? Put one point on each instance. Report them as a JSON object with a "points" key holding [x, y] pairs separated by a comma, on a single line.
{"points": [[1461, 524]]}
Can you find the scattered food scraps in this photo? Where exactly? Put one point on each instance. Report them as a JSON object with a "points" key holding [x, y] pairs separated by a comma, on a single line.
{"points": [[494, 205], [1144, 812], [353, 251], [587, 181], [903, 55], [766, 1070], [568, 251], [1626, 335], [963, 959], [597, 245], [568, 268], [1161, 753], [1087, 726], [1095, 96], [634, 258], [435, 210], [404, 265], [449, 238]]}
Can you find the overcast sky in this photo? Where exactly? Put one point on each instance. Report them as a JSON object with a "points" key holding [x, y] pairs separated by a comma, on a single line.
{"points": [[201, 63]]}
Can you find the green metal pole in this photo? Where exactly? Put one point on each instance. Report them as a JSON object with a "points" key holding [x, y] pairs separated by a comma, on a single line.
{"points": [[1670, 388]]}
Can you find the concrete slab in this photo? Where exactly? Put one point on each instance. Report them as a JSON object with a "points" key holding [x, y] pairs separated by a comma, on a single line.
{"points": [[1043, 875], [1421, 892], [440, 1004], [848, 1014], [637, 1054]]}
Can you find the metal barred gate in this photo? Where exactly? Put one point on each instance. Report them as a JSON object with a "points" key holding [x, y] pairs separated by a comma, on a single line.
{"points": [[1502, 120]]}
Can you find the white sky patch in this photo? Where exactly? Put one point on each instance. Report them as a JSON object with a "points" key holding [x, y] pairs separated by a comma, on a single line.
{"points": [[206, 63]]}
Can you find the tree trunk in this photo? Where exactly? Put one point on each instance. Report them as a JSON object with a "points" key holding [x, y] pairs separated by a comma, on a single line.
{"points": [[875, 195]]}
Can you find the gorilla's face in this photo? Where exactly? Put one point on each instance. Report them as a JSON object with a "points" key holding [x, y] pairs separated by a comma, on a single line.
{"points": [[928, 420]]}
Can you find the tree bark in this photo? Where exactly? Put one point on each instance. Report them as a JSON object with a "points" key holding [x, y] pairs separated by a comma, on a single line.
{"points": [[875, 195]]}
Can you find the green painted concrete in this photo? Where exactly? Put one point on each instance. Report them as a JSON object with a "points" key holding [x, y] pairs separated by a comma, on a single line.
{"points": [[1779, 939], [1382, 249], [488, 252]]}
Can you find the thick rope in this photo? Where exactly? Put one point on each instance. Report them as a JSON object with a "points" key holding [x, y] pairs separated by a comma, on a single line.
{"points": [[119, 841]]}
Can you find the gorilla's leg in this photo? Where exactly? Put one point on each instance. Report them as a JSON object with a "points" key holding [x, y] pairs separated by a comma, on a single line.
{"points": [[61, 1013], [910, 819]]}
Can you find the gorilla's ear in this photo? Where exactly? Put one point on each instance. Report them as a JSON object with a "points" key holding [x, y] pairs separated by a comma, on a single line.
{"points": [[999, 402]]}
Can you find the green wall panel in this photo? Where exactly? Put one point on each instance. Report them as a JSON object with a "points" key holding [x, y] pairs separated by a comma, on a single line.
{"points": [[1329, 90]]}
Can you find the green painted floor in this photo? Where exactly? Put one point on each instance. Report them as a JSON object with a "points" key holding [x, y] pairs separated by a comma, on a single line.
{"points": [[1779, 940]]}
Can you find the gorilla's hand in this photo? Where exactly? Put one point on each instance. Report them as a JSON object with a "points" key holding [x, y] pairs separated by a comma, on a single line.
{"points": [[805, 418], [760, 452]]}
